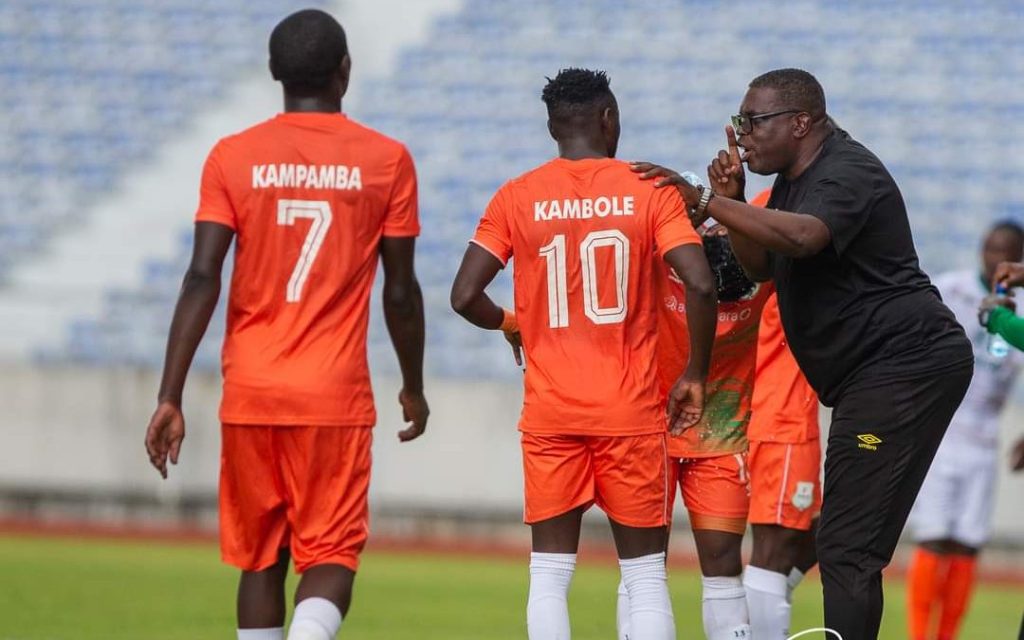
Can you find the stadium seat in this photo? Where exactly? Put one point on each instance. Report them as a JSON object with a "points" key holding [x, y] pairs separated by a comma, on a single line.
{"points": [[923, 87]]}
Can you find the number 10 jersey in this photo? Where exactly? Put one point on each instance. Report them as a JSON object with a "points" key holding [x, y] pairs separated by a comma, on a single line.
{"points": [[309, 196], [583, 235]]}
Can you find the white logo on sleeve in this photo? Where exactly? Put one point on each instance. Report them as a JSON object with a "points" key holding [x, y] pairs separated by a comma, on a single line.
{"points": [[803, 496]]}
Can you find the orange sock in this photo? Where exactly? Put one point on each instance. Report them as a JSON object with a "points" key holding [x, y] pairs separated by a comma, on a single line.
{"points": [[959, 585], [926, 570]]}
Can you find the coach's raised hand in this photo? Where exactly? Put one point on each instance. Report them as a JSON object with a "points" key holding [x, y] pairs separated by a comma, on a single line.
{"points": [[725, 173], [164, 434]]}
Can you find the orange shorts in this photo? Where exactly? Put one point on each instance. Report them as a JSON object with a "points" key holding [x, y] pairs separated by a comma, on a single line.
{"points": [[785, 483], [624, 475], [716, 491], [304, 488]]}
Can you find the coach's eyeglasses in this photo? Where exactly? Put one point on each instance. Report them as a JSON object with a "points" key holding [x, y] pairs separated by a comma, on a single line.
{"points": [[745, 123]]}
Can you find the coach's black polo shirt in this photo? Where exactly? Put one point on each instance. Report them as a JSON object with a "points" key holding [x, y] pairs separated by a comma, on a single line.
{"points": [[862, 309]]}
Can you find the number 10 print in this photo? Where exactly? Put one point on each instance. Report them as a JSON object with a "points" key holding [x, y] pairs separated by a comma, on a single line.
{"points": [[558, 300]]}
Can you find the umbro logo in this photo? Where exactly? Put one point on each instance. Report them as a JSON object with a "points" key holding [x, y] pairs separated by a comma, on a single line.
{"points": [[869, 441]]}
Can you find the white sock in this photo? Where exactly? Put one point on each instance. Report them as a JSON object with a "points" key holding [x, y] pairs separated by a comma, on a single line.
{"points": [[622, 613], [315, 619], [725, 608], [766, 601], [792, 580], [650, 609], [275, 633], [547, 608]]}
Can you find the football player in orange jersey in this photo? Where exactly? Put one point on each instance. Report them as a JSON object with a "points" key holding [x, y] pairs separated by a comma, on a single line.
{"points": [[315, 200], [584, 233], [785, 479], [708, 461]]}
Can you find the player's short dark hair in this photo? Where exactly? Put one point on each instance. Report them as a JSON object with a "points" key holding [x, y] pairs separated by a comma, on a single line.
{"points": [[306, 49], [1010, 226], [575, 92], [797, 88]]}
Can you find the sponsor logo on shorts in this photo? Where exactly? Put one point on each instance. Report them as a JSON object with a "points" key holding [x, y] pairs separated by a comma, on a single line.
{"points": [[803, 497], [869, 441]]}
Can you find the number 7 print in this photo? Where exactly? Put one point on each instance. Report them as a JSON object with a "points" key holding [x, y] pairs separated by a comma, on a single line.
{"points": [[320, 213]]}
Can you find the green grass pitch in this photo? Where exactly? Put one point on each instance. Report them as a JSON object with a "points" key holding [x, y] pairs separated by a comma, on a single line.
{"points": [[60, 589]]}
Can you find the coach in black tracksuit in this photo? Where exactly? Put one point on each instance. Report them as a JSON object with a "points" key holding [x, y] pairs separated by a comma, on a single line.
{"points": [[864, 322]]}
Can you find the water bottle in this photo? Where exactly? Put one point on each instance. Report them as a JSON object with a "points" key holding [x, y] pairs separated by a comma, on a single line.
{"points": [[696, 181], [996, 346], [692, 178]]}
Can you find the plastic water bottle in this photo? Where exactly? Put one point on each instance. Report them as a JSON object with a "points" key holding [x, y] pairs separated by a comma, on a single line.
{"points": [[692, 178], [696, 181], [996, 346]]}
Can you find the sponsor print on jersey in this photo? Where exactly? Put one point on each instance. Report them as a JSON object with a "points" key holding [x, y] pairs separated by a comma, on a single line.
{"points": [[724, 422]]}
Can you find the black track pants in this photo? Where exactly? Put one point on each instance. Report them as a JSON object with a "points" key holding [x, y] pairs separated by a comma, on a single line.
{"points": [[881, 443]]}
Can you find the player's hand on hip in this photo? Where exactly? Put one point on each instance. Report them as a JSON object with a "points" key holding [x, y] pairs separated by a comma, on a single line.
{"points": [[685, 404], [164, 434], [515, 340], [1008, 274], [414, 410], [725, 173]]}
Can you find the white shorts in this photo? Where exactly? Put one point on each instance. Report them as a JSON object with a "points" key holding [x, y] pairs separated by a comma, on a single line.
{"points": [[957, 497]]}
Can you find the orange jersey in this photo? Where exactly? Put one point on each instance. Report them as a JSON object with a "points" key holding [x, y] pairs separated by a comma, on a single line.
{"points": [[785, 406], [584, 234], [761, 199], [730, 383], [722, 429], [309, 196]]}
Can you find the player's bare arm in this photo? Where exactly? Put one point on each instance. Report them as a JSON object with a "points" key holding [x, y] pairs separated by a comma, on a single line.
{"points": [[403, 313], [469, 298], [686, 399], [196, 302]]}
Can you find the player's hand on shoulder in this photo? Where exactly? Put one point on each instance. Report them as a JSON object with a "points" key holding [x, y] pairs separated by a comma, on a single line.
{"points": [[725, 173], [414, 410], [164, 434], [685, 404], [1008, 274]]}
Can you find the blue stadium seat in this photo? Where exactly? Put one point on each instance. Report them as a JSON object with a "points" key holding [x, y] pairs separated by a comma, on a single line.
{"points": [[927, 87]]}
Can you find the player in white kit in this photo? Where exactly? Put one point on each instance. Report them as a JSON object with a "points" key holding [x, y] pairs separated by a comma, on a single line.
{"points": [[952, 517]]}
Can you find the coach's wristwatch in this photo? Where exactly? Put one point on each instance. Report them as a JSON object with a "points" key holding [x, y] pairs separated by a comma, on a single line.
{"points": [[705, 198]]}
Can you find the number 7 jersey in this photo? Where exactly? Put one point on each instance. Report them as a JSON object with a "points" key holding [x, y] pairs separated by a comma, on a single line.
{"points": [[309, 196], [583, 234]]}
